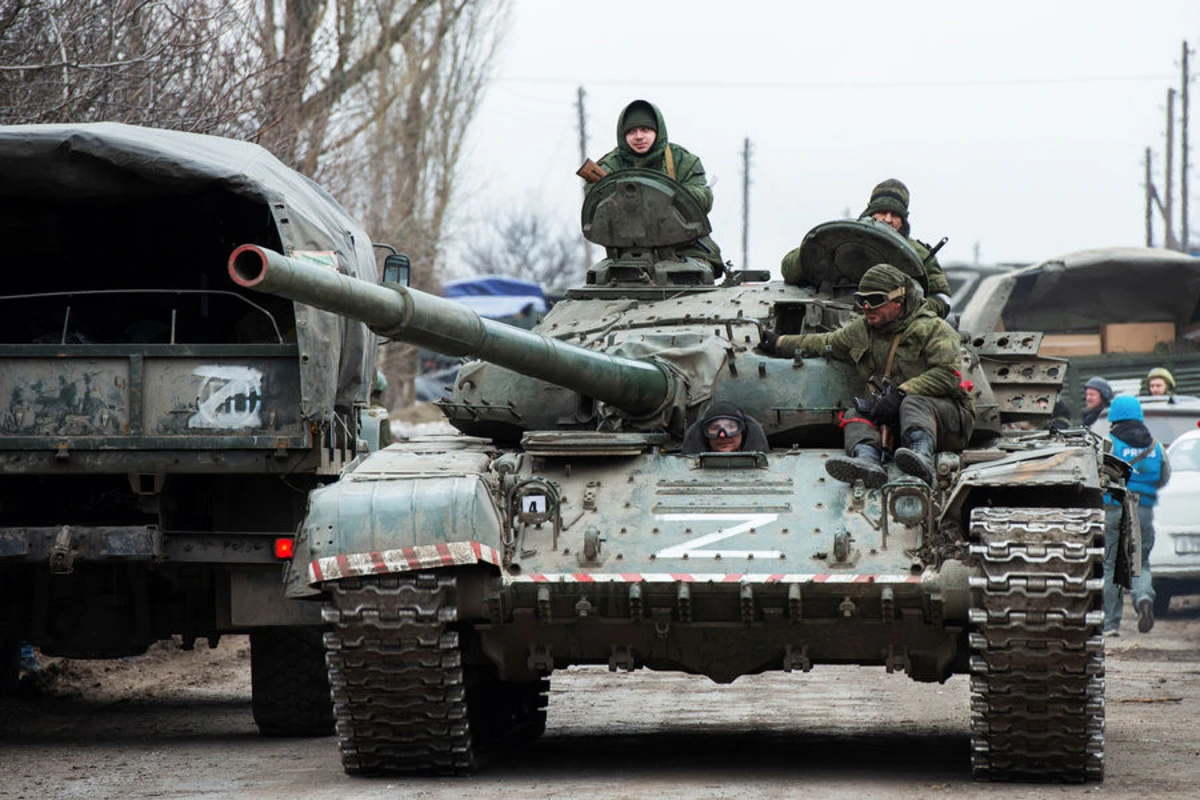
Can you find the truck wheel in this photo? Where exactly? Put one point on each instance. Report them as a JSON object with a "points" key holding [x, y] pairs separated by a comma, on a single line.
{"points": [[10, 665], [290, 683], [1162, 602]]}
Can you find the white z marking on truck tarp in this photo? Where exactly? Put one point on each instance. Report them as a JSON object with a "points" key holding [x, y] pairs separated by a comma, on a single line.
{"points": [[691, 549], [229, 397]]}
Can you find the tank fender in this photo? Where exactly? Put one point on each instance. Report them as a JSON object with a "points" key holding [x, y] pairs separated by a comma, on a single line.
{"points": [[1047, 470], [401, 524]]}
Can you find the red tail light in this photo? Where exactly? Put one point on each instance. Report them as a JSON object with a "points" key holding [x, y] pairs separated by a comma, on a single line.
{"points": [[283, 547]]}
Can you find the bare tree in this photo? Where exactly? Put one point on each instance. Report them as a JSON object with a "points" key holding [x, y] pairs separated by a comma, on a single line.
{"points": [[169, 63], [372, 98], [524, 243]]}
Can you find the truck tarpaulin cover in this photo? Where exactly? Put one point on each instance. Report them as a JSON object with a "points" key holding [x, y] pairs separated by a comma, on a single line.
{"points": [[1087, 289], [110, 162]]}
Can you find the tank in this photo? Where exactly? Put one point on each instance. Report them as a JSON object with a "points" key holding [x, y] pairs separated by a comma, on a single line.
{"points": [[563, 525]]}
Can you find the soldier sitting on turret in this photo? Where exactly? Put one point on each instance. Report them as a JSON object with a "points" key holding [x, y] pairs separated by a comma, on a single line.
{"points": [[901, 347], [724, 429], [642, 143]]}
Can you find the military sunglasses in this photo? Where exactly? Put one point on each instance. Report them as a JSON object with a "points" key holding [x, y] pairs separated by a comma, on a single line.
{"points": [[722, 428], [877, 299]]}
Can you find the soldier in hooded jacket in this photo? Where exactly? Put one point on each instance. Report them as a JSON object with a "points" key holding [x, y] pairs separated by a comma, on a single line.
{"points": [[903, 346], [663, 156]]}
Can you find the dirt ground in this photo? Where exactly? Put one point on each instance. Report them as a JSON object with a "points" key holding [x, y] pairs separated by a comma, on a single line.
{"points": [[175, 724]]}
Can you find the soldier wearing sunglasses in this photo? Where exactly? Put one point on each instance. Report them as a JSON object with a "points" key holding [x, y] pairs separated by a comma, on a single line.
{"points": [[909, 357], [724, 429]]}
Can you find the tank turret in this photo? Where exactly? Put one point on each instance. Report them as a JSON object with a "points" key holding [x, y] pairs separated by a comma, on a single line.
{"points": [[640, 355]]}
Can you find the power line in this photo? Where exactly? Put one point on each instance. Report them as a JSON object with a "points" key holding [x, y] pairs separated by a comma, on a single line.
{"points": [[839, 85]]}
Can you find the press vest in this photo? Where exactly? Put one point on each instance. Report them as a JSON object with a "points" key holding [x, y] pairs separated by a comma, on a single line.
{"points": [[1147, 473]]}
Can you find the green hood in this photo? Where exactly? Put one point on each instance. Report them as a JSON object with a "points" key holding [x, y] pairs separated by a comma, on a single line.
{"points": [[651, 157]]}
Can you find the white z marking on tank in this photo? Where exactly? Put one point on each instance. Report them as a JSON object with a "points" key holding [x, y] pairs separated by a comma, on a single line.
{"points": [[692, 548], [229, 397]]}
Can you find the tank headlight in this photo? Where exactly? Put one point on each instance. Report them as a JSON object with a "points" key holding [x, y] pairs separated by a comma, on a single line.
{"points": [[909, 506]]}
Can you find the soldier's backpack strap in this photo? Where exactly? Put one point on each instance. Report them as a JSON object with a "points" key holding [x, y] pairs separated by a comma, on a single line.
{"points": [[887, 369], [670, 158]]}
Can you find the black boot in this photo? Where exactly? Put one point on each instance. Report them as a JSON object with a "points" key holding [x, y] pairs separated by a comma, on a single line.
{"points": [[916, 456], [865, 465]]}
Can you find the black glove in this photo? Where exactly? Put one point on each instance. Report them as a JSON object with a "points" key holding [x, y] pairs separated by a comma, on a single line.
{"points": [[767, 344], [887, 407]]}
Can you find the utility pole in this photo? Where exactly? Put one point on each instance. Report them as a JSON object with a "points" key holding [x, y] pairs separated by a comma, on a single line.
{"points": [[1183, 157], [746, 204], [583, 156], [1149, 202], [1169, 203]]}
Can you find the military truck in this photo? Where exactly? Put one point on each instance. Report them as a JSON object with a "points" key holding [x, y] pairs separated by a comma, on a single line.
{"points": [[564, 525], [159, 433], [1116, 312]]}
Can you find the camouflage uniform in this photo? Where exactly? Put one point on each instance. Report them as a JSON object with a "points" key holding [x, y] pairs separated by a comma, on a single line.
{"points": [[936, 412], [673, 160]]}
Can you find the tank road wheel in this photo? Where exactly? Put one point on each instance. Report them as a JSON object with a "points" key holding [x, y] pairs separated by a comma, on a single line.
{"points": [[289, 682], [399, 694], [1037, 683], [505, 713]]}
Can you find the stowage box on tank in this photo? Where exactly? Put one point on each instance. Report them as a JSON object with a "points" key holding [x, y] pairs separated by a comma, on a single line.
{"points": [[565, 526]]}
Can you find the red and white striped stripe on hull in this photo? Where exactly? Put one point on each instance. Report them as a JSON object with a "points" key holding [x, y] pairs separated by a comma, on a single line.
{"points": [[706, 577], [449, 554], [404, 559]]}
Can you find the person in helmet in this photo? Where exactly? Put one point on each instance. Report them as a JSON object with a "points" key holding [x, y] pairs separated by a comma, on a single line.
{"points": [[725, 428], [1097, 395], [902, 345], [642, 143], [1160, 382], [889, 204], [1133, 443]]}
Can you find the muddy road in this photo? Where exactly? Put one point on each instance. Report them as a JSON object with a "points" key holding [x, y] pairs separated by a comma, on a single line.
{"points": [[174, 724]]}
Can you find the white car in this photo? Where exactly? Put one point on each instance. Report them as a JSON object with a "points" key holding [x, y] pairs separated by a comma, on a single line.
{"points": [[1175, 559]]}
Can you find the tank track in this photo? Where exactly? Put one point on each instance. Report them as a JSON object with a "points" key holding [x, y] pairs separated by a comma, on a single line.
{"points": [[396, 675], [1037, 684], [403, 699]]}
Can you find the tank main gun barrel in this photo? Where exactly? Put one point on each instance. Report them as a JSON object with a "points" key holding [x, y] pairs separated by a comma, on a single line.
{"points": [[395, 312]]}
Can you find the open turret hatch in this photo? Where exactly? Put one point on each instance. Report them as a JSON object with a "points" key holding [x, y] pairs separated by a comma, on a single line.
{"points": [[835, 255]]}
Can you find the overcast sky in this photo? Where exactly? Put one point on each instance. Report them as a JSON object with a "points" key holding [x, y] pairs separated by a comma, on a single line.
{"points": [[1019, 127]]}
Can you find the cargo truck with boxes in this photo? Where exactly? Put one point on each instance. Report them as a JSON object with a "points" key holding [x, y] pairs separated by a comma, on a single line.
{"points": [[1117, 312]]}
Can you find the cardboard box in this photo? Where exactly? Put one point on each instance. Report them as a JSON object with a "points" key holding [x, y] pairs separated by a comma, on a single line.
{"points": [[1136, 337], [1065, 345]]}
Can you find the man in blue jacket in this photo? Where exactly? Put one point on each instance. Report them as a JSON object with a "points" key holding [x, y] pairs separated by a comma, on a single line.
{"points": [[1132, 442]]}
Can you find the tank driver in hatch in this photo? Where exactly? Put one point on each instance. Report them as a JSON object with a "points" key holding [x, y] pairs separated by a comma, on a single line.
{"points": [[901, 346], [724, 429]]}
